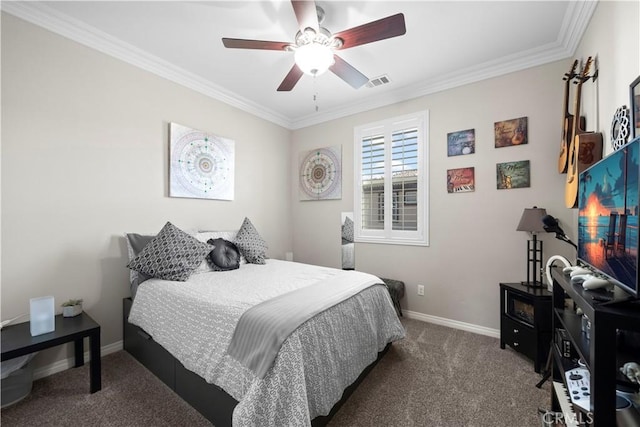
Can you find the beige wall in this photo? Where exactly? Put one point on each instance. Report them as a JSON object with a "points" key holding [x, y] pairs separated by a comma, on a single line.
{"points": [[613, 39], [84, 160], [85, 152], [474, 244]]}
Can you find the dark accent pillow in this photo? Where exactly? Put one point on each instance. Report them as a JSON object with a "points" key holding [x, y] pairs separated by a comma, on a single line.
{"points": [[171, 255], [251, 245], [137, 242], [224, 256]]}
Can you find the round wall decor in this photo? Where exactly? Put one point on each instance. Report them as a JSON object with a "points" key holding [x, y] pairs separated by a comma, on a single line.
{"points": [[620, 127], [321, 174]]}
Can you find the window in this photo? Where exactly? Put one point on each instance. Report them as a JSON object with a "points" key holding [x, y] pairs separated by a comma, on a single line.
{"points": [[391, 185]]}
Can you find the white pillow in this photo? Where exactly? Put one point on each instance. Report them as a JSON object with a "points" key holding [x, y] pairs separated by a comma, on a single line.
{"points": [[203, 236]]}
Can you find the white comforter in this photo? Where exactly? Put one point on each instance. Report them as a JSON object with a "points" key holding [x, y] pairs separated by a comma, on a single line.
{"points": [[194, 321]]}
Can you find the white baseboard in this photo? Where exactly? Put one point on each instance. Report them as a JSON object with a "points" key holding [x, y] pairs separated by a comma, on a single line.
{"points": [[63, 365], [469, 327]]}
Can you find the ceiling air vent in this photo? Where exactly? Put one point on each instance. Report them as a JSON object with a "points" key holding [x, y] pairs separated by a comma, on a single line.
{"points": [[378, 81]]}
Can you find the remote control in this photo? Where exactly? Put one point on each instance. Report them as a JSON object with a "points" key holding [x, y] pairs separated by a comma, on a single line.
{"points": [[579, 387]]}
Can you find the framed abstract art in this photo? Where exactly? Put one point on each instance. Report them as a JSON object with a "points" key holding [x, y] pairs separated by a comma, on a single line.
{"points": [[201, 165]]}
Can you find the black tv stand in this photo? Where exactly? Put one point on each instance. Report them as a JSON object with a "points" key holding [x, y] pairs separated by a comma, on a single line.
{"points": [[602, 351], [630, 300]]}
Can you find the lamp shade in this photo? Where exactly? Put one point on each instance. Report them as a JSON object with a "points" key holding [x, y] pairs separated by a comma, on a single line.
{"points": [[531, 220]]}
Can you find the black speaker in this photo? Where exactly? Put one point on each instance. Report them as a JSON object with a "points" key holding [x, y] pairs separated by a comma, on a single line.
{"points": [[564, 344]]}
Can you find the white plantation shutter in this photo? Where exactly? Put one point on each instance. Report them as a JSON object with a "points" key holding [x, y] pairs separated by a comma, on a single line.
{"points": [[373, 169], [404, 175], [391, 187]]}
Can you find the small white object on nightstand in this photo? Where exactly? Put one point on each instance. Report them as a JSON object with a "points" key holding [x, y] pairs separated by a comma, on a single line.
{"points": [[42, 313]]}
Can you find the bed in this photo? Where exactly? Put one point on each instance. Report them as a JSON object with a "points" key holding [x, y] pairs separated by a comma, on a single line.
{"points": [[185, 332]]}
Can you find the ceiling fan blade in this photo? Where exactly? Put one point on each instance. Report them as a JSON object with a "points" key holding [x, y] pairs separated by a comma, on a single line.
{"points": [[346, 72], [291, 79], [253, 44], [306, 14], [385, 28]]}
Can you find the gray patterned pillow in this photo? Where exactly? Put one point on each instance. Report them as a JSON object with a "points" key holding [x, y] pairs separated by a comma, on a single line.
{"points": [[171, 255], [251, 245], [347, 229]]}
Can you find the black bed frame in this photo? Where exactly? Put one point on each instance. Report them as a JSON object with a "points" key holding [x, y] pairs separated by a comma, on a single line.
{"points": [[208, 399]]}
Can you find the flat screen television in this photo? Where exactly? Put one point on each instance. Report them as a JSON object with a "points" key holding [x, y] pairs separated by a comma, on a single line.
{"points": [[608, 217]]}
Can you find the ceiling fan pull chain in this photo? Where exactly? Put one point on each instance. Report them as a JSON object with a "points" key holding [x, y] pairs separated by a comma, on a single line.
{"points": [[315, 93]]}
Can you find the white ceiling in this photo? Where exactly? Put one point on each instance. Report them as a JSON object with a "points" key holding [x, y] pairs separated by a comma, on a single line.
{"points": [[447, 44]]}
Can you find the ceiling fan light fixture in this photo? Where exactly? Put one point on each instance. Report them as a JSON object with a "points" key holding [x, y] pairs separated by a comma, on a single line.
{"points": [[314, 58], [314, 45]]}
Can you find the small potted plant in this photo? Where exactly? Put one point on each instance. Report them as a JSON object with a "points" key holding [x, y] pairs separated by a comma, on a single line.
{"points": [[72, 307]]}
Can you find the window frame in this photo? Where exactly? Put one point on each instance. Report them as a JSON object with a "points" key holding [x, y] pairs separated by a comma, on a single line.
{"points": [[387, 235]]}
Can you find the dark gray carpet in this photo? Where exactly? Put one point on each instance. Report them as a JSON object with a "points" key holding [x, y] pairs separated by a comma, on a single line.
{"points": [[437, 376], [130, 396]]}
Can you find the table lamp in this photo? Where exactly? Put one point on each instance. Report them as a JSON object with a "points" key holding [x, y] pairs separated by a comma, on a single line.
{"points": [[531, 222]]}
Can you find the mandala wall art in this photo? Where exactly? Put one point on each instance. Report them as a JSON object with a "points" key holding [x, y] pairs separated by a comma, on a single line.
{"points": [[201, 164], [321, 174]]}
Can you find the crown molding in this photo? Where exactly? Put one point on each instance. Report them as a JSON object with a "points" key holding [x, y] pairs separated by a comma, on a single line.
{"points": [[506, 65], [48, 18], [575, 21]]}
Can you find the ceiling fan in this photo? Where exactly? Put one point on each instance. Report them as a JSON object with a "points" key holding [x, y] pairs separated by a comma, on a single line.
{"points": [[314, 47]]}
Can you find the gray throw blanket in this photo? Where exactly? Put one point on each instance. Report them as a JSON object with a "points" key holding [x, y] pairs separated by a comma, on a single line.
{"points": [[263, 328]]}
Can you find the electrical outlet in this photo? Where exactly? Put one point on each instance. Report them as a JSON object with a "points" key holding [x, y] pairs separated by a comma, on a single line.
{"points": [[421, 290]]}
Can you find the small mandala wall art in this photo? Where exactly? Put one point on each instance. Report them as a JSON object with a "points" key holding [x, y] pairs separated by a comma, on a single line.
{"points": [[201, 165], [320, 174]]}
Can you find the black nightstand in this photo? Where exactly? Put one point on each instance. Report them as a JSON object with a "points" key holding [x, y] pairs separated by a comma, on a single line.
{"points": [[525, 321], [17, 341]]}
